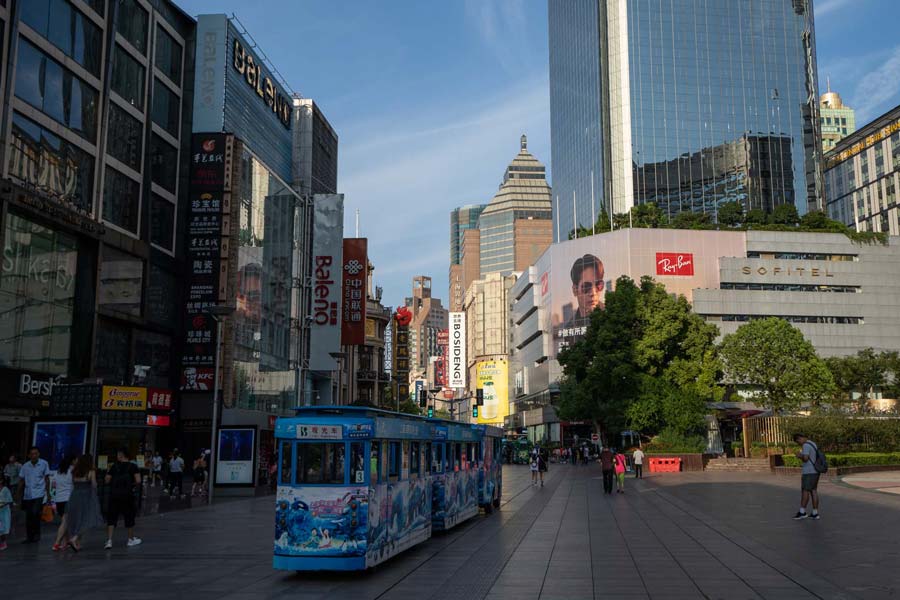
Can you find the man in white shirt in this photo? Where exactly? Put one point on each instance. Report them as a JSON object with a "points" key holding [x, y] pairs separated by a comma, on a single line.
{"points": [[809, 477], [638, 457], [156, 469], [34, 489], [176, 472]]}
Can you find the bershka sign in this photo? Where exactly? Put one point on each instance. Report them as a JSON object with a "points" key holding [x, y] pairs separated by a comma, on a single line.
{"points": [[457, 350], [325, 313], [675, 263]]}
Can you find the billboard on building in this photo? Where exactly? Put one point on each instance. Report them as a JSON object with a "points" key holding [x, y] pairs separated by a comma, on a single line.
{"points": [[457, 374], [354, 276], [325, 316], [492, 377], [575, 276]]}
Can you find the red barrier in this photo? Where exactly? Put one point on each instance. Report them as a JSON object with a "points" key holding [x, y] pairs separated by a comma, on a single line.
{"points": [[665, 464]]}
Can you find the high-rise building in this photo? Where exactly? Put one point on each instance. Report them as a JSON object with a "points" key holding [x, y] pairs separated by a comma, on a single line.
{"points": [[644, 97], [487, 321], [836, 119], [862, 176], [515, 227], [462, 219], [315, 150], [429, 318]]}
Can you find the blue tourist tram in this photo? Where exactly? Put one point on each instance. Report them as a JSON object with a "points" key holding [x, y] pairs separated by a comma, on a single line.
{"points": [[357, 485]]}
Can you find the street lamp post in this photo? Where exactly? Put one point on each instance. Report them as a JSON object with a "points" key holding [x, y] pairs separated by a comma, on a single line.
{"points": [[339, 357], [219, 313]]}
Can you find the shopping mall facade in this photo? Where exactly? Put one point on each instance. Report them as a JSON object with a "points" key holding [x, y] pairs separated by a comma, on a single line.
{"points": [[843, 295]]}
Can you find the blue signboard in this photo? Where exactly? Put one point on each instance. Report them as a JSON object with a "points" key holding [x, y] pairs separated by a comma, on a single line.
{"points": [[358, 431]]}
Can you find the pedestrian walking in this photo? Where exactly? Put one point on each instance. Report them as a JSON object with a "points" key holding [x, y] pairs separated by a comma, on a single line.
{"points": [[809, 477], [6, 502], [534, 466], [176, 473], [156, 469], [199, 469], [83, 511], [124, 480], [586, 452], [574, 451], [620, 468], [62, 491], [606, 465], [543, 459], [11, 471], [638, 458], [34, 490]]}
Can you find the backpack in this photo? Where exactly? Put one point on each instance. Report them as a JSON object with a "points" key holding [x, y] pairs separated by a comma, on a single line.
{"points": [[122, 480], [820, 464]]}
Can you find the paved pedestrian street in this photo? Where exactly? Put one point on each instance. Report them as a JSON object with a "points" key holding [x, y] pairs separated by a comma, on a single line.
{"points": [[676, 536]]}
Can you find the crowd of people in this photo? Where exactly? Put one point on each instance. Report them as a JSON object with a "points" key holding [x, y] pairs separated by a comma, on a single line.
{"points": [[82, 498]]}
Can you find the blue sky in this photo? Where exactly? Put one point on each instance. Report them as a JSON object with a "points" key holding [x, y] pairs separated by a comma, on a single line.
{"points": [[429, 99]]}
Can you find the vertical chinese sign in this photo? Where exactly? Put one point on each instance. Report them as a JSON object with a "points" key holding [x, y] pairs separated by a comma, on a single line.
{"points": [[353, 301], [403, 318], [440, 365], [207, 246]]}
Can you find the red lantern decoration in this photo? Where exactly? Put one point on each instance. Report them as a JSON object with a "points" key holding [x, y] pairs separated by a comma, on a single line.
{"points": [[403, 316]]}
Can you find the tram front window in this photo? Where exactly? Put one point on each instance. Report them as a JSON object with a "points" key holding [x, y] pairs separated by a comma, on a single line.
{"points": [[357, 463], [414, 458], [374, 462], [394, 461], [320, 463], [286, 473], [437, 458]]}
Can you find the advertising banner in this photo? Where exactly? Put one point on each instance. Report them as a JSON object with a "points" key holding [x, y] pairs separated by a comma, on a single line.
{"points": [[117, 397], [159, 399], [403, 317], [457, 350], [440, 365], [576, 275], [159, 420], [325, 318], [354, 276], [58, 439], [234, 461], [493, 377], [208, 236]]}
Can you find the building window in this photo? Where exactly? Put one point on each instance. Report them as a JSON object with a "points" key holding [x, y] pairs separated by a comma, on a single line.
{"points": [[67, 29], [131, 24], [125, 136], [152, 352], [163, 163], [37, 296], [52, 89], [162, 222], [113, 352], [127, 78], [40, 158], [165, 108], [121, 200], [162, 296], [168, 55], [121, 282]]}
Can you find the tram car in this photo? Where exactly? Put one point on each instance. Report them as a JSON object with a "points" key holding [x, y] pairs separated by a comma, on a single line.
{"points": [[490, 481], [357, 485]]}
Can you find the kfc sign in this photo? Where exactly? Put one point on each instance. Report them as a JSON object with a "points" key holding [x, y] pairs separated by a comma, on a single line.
{"points": [[197, 379], [674, 263]]}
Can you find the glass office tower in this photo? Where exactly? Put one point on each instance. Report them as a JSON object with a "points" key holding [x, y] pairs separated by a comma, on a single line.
{"points": [[697, 103]]}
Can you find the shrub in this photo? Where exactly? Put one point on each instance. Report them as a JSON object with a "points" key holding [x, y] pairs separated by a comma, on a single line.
{"points": [[842, 435], [671, 442], [852, 459]]}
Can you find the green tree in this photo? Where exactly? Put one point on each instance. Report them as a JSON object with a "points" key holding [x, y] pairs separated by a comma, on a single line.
{"points": [[648, 215], [781, 365], [815, 219], [730, 213], [756, 216], [687, 219], [784, 214], [409, 407]]}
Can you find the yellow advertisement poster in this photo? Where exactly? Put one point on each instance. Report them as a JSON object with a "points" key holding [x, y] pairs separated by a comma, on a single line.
{"points": [[492, 376], [117, 397]]}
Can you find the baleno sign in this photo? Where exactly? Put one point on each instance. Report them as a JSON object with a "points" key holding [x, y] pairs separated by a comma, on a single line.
{"points": [[252, 71]]}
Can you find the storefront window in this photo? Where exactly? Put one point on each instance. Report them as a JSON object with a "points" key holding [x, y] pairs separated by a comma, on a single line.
{"points": [[37, 292], [112, 352], [165, 108], [128, 78], [121, 279], [153, 353], [124, 140], [162, 222], [41, 159], [121, 200], [163, 163], [67, 29], [46, 85], [131, 24], [168, 55]]}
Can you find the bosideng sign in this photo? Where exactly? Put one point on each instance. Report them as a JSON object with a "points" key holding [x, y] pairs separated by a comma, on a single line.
{"points": [[457, 377]]}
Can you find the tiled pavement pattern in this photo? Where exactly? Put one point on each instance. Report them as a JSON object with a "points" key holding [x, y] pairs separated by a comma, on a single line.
{"points": [[888, 482], [672, 536]]}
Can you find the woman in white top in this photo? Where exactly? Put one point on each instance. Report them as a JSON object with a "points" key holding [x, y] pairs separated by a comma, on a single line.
{"points": [[63, 486]]}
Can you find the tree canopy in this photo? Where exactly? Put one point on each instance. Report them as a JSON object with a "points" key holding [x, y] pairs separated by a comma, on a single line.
{"points": [[773, 357]]}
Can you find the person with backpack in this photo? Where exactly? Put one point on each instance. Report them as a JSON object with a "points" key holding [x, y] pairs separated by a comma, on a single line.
{"points": [[124, 480], [814, 464]]}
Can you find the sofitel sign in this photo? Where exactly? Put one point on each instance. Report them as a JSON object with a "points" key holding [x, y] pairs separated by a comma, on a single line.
{"points": [[252, 71], [798, 271]]}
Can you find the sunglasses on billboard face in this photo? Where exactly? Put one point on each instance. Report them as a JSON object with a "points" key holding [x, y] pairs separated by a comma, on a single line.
{"points": [[587, 287]]}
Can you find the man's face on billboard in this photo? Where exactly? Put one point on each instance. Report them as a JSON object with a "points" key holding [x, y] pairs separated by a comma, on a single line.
{"points": [[589, 290]]}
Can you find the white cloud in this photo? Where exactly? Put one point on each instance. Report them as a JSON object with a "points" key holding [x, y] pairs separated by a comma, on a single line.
{"points": [[825, 7], [502, 27], [405, 174], [878, 89]]}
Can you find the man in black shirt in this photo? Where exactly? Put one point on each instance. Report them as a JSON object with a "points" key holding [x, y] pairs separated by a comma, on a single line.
{"points": [[124, 481]]}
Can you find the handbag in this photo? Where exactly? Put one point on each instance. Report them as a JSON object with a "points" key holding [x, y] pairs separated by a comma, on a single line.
{"points": [[47, 514]]}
